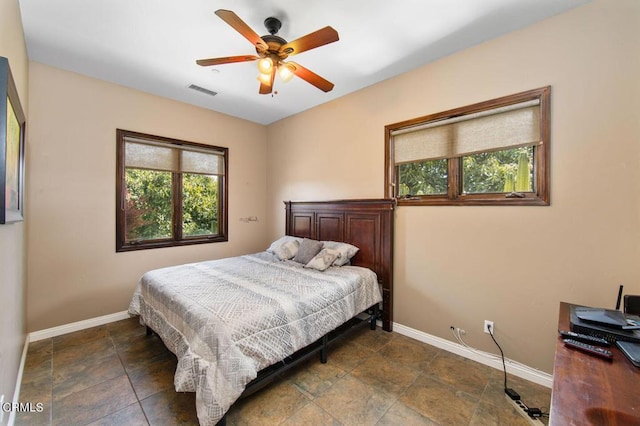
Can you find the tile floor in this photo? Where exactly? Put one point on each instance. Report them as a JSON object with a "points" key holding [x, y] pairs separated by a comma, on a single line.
{"points": [[116, 375]]}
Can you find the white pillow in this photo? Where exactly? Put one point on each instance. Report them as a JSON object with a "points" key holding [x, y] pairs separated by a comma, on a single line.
{"points": [[347, 251], [287, 250], [323, 260], [280, 241]]}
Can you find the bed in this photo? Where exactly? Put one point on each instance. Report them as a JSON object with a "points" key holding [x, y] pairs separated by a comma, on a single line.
{"points": [[234, 324]]}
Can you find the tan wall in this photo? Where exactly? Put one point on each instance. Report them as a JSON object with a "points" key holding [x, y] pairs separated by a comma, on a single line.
{"points": [[12, 236], [512, 265], [454, 265], [74, 272]]}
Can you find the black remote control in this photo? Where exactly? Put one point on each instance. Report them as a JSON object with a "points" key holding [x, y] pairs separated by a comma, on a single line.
{"points": [[584, 338], [590, 349]]}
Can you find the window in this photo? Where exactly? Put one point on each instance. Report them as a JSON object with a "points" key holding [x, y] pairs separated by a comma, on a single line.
{"points": [[169, 192], [491, 153]]}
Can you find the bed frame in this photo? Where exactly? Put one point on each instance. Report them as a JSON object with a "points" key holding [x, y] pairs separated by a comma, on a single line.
{"points": [[367, 224]]}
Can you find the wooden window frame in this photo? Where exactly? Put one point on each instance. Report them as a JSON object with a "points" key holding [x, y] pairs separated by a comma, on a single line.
{"points": [[540, 195], [177, 239]]}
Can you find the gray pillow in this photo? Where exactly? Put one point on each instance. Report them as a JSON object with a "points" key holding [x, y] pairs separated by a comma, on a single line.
{"points": [[323, 260], [307, 250]]}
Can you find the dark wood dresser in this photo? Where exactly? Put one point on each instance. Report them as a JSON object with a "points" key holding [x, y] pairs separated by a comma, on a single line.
{"points": [[588, 390]]}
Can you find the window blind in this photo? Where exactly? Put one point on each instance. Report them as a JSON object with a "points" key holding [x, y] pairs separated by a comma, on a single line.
{"points": [[501, 128], [142, 154]]}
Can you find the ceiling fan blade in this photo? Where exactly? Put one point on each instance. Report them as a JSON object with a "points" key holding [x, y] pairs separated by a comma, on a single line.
{"points": [[310, 77], [240, 26], [315, 39], [226, 60], [266, 88]]}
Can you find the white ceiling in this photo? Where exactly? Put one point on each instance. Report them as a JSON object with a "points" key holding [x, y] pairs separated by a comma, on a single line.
{"points": [[152, 45]]}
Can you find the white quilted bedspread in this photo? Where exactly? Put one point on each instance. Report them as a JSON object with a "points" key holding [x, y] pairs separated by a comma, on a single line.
{"points": [[227, 319]]}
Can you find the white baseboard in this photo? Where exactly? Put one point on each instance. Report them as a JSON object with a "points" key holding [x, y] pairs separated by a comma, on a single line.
{"points": [[517, 369], [77, 326], [16, 392]]}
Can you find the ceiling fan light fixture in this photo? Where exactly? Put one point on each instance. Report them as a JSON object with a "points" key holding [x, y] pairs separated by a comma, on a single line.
{"points": [[265, 65], [264, 78], [286, 72]]}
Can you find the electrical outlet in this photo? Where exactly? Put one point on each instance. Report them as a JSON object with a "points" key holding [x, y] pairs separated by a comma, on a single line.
{"points": [[488, 324]]}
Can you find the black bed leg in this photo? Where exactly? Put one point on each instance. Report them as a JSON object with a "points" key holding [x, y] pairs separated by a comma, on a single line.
{"points": [[323, 351], [374, 317], [149, 331]]}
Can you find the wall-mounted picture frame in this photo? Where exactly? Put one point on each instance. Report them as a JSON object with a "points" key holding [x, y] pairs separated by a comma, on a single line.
{"points": [[12, 128]]}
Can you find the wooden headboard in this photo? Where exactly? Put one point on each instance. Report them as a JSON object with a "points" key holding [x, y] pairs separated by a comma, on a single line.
{"points": [[367, 224]]}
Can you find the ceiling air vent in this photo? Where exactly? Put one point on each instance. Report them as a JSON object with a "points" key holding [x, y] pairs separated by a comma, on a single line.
{"points": [[202, 90]]}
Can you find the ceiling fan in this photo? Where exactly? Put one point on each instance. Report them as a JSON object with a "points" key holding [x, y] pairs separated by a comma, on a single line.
{"points": [[272, 51]]}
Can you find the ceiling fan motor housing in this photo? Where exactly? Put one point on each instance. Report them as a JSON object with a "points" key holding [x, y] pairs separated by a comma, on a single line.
{"points": [[273, 41]]}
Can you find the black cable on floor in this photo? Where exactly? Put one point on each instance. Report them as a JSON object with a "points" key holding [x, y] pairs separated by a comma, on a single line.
{"points": [[504, 366]]}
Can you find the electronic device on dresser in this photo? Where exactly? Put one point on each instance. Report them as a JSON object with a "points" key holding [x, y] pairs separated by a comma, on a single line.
{"points": [[611, 325], [630, 350], [594, 327]]}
